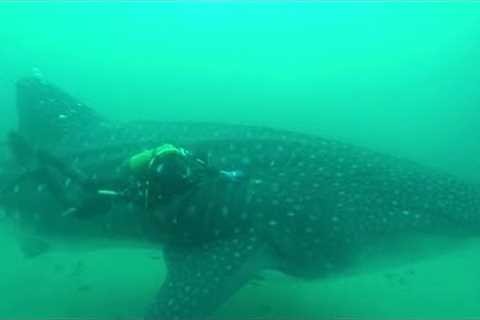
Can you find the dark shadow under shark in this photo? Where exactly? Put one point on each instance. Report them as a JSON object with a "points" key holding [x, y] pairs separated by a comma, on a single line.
{"points": [[310, 207]]}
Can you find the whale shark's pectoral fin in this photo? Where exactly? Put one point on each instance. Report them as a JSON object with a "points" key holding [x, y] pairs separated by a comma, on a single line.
{"points": [[200, 279]]}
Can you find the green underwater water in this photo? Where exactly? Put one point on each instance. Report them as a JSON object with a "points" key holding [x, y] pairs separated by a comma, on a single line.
{"points": [[399, 77]]}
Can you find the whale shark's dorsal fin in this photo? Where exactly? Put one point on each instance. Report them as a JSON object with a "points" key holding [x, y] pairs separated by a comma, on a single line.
{"points": [[46, 113]]}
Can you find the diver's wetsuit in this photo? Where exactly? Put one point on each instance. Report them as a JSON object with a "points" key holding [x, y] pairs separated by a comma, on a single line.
{"points": [[164, 179], [149, 179]]}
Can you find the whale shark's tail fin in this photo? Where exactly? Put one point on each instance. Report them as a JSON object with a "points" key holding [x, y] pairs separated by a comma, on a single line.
{"points": [[46, 113], [47, 118]]}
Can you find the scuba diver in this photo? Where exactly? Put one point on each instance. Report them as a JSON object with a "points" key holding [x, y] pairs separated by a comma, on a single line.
{"points": [[149, 179], [153, 178]]}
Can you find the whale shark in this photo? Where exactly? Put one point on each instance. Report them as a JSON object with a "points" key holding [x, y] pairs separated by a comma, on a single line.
{"points": [[310, 207]]}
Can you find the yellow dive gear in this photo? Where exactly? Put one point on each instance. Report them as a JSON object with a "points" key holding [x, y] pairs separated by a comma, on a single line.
{"points": [[141, 162]]}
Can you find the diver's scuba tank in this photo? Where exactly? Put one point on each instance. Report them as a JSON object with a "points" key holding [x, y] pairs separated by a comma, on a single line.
{"points": [[142, 162], [163, 172]]}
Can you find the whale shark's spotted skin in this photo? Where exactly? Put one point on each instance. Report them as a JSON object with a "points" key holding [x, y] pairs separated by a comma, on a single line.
{"points": [[308, 208]]}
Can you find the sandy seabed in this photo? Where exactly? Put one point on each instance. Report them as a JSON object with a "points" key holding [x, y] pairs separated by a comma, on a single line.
{"points": [[118, 283]]}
